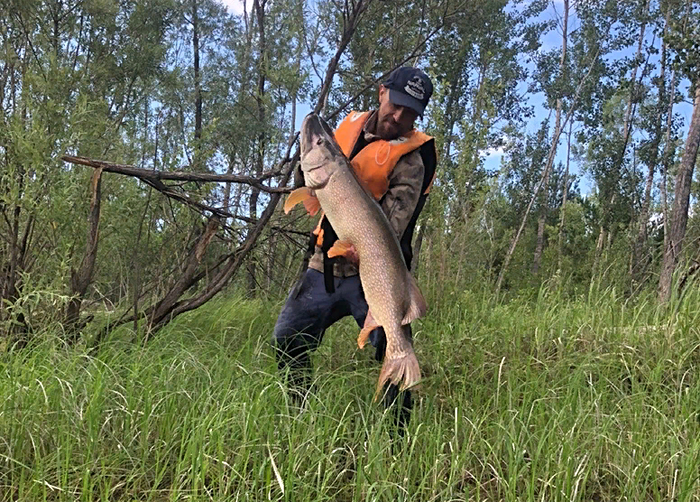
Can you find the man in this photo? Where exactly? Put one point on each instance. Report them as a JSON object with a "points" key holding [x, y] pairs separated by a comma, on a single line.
{"points": [[396, 163]]}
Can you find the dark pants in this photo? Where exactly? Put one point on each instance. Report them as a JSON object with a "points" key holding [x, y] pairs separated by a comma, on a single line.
{"points": [[306, 315]]}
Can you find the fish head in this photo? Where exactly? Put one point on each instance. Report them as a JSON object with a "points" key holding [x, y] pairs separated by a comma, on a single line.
{"points": [[320, 154]]}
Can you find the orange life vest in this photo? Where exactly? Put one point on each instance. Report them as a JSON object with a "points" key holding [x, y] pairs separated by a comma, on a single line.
{"points": [[375, 162]]}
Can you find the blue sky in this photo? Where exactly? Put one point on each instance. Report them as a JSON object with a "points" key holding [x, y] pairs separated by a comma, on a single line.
{"points": [[551, 39]]}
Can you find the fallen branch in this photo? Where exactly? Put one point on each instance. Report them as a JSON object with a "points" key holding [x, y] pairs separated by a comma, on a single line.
{"points": [[186, 280], [149, 175], [154, 179]]}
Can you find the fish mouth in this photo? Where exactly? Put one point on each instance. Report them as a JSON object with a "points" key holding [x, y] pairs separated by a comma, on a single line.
{"points": [[316, 185], [316, 132]]}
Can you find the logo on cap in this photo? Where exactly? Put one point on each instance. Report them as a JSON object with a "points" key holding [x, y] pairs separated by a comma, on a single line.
{"points": [[415, 88]]}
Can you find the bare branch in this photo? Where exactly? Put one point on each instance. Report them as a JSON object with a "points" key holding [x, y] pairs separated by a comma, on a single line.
{"points": [[149, 175]]}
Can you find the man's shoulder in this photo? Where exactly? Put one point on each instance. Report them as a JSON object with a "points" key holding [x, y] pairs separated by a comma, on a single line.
{"points": [[355, 115]]}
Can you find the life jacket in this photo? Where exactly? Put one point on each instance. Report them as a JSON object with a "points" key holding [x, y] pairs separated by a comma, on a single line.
{"points": [[373, 163]]}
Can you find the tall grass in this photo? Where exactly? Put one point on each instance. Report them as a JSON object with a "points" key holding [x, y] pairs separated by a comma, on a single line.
{"points": [[544, 399]]}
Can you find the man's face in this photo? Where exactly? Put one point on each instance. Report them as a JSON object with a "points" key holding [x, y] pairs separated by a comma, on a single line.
{"points": [[393, 120]]}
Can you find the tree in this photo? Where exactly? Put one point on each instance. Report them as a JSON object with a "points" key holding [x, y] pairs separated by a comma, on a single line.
{"points": [[563, 73], [67, 82], [686, 42]]}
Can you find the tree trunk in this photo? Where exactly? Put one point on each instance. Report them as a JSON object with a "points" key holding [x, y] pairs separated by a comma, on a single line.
{"points": [[516, 237], [81, 279], [197, 90], [667, 157], [626, 131], [415, 261], [640, 255], [137, 265], [9, 289], [565, 193], [550, 159], [259, 7], [450, 119], [682, 200], [537, 260], [668, 153], [227, 187]]}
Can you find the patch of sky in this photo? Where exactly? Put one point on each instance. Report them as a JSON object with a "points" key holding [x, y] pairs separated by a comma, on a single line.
{"points": [[550, 40], [237, 6]]}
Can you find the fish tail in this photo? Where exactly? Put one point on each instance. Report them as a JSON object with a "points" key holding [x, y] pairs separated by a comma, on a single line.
{"points": [[403, 371]]}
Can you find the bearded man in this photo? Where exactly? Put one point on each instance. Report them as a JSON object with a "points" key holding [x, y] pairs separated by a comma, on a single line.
{"points": [[396, 163]]}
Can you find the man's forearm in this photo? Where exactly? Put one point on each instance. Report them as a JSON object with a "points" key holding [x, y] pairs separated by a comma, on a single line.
{"points": [[401, 199]]}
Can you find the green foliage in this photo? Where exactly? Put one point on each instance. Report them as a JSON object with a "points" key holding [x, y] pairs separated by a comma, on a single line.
{"points": [[684, 38], [116, 80], [573, 384], [523, 400]]}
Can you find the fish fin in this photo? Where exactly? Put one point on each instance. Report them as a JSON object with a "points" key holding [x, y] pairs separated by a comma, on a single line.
{"points": [[403, 372], [318, 232], [370, 325], [418, 306], [312, 205], [302, 194], [363, 338], [345, 249]]}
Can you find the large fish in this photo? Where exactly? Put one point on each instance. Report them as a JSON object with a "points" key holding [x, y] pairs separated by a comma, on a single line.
{"points": [[365, 237]]}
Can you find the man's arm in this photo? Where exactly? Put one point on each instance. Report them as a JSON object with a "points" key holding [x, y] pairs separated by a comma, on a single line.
{"points": [[405, 184]]}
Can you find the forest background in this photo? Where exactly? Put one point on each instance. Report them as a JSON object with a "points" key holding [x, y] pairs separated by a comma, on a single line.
{"points": [[145, 149], [565, 131]]}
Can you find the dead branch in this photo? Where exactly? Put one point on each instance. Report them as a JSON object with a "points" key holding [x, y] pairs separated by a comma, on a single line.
{"points": [[151, 176], [165, 306], [153, 179]]}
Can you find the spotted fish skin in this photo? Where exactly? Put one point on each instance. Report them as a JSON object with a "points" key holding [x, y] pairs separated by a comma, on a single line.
{"points": [[364, 234]]}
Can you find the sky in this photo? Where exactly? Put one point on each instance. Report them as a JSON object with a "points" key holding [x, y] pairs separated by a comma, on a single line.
{"points": [[553, 39], [236, 6], [493, 157]]}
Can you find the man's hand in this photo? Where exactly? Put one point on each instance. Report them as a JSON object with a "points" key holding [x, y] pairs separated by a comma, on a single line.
{"points": [[345, 249]]}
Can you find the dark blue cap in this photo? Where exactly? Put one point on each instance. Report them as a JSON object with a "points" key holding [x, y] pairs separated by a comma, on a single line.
{"points": [[409, 87]]}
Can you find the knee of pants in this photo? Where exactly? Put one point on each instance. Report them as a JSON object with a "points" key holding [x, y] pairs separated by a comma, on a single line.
{"points": [[378, 336], [290, 340]]}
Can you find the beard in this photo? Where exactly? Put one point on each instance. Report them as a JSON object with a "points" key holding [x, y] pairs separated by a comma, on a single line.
{"points": [[388, 130]]}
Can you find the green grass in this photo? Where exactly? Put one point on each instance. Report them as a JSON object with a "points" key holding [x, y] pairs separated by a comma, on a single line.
{"points": [[548, 399]]}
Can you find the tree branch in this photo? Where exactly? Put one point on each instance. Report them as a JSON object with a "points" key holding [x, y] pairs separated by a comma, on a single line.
{"points": [[149, 175]]}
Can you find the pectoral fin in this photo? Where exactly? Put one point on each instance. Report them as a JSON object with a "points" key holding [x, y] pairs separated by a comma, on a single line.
{"points": [[370, 325], [304, 195], [312, 205], [345, 249], [418, 306], [318, 232]]}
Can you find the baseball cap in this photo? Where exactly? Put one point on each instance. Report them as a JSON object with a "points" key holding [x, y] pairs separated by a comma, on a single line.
{"points": [[409, 87]]}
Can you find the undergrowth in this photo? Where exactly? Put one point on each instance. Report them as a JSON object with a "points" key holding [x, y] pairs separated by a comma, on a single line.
{"points": [[545, 399]]}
